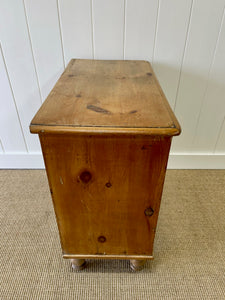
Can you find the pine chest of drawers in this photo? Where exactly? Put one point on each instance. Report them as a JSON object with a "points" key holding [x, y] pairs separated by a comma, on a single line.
{"points": [[105, 131]]}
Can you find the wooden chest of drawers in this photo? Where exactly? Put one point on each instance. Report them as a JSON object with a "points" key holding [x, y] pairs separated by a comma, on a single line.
{"points": [[105, 131]]}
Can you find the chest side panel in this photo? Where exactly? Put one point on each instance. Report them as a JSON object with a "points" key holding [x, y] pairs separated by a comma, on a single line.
{"points": [[106, 191]]}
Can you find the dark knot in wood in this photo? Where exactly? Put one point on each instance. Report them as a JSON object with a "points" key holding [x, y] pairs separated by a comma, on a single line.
{"points": [[85, 176], [101, 239], [98, 109], [133, 112], [149, 212], [108, 184]]}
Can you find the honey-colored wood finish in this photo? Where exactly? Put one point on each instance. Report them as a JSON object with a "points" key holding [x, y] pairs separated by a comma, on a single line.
{"points": [[105, 132], [106, 96], [106, 191]]}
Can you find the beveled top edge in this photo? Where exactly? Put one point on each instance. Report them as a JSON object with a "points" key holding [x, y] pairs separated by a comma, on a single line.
{"points": [[42, 129], [171, 130]]}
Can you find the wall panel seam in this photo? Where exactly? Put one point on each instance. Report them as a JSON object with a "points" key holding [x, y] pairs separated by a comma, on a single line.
{"points": [[14, 99], [219, 134], [32, 51], [1, 146], [184, 52], [60, 33], [156, 30], [92, 29], [208, 77], [124, 29]]}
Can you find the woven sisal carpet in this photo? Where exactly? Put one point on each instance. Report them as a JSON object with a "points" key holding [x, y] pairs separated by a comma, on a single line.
{"points": [[189, 246]]}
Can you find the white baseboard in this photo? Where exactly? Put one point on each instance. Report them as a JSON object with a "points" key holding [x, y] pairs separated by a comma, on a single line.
{"points": [[176, 161], [21, 161], [196, 161]]}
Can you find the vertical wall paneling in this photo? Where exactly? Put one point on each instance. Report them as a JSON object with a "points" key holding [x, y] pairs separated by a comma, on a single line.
{"points": [[184, 40], [108, 24], [220, 145], [140, 26], [76, 27], [19, 62], [1, 147], [173, 22], [11, 135], [213, 108], [42, 17], [199, 52]]}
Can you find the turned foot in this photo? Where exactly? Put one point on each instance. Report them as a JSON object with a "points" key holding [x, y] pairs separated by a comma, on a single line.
{"points": [[137, 265], [78, 264]]}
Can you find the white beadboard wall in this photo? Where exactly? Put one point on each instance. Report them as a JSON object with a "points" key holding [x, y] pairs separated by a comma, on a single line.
{"points": [[183, 39]]}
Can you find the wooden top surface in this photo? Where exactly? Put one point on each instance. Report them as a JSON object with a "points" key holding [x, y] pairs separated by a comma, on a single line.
{"points": [[106, 96]]}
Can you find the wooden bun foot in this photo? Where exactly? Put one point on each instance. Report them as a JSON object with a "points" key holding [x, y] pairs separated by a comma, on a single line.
{"points": [[137, 265], [78, 264]]}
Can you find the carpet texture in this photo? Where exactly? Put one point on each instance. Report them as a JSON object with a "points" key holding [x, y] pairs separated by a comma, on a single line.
{"points": [[189, 246]]}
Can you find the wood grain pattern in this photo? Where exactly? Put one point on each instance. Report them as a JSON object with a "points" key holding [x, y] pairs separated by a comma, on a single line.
{"points": [[106, 192], [123, 95], [105, 132]]}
